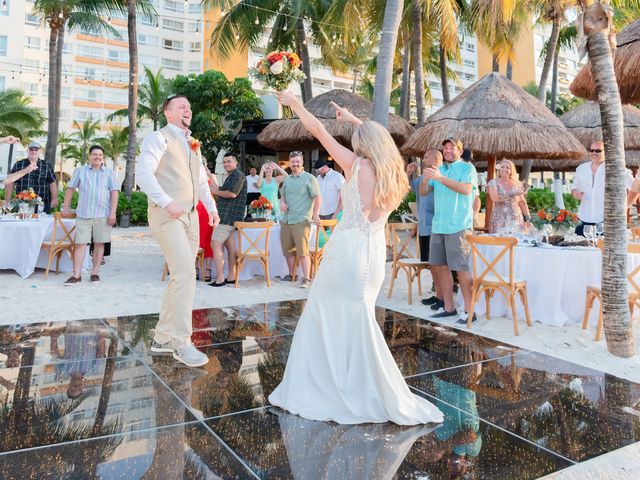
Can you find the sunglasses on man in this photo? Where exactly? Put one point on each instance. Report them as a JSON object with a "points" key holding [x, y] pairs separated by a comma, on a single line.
{"points": [[595, 150]]}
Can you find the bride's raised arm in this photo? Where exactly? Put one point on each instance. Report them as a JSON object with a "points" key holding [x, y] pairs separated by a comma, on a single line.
{"points": [[340, 154]]}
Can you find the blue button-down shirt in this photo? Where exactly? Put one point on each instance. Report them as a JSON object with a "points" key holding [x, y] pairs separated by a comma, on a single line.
{"points": [[454, 211], [426, 208], [94, 190]]}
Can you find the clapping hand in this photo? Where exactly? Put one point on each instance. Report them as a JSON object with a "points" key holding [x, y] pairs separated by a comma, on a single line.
{"points": [[432, 173], [411, 168]]}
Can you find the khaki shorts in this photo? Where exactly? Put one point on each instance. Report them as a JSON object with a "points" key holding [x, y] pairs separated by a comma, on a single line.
{"points": [[450, 249], [295, 236], [222, 232], [96, 228]]}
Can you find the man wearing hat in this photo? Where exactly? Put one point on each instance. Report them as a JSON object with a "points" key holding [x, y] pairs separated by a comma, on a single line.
{"points": [[42, 179], [330, 183], [453, 185]]}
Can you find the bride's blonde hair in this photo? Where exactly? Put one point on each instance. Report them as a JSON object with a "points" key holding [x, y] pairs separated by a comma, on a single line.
{"points": [[372, 141]]}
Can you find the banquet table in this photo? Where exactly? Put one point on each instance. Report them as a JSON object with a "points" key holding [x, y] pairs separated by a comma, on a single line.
{"points": [[277, 261], [21, 240], [557, 279]]}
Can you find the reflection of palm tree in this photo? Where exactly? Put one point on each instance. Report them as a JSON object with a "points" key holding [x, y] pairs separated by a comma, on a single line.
{"points": [[142, 335]]}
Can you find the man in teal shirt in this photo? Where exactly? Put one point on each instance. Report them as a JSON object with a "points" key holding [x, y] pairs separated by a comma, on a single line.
{"points": [[453, 185]]}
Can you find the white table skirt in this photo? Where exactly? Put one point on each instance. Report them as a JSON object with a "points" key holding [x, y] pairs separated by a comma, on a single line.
{"points": [[277, 261], [557, 279], [21, 243]]}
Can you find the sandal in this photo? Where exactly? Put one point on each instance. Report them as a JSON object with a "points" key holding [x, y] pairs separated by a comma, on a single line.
{"points": [[207, 275], [221, 284]]}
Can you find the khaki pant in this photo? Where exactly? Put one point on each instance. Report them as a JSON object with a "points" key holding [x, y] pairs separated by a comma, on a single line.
{"points": [[178, 241]]}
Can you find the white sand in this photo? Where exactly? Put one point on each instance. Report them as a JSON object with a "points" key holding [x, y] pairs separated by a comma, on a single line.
{"points": [[131, 285]]}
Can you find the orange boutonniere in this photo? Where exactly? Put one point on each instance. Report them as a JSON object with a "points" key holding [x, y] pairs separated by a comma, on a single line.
{"points": [[194, 145]]}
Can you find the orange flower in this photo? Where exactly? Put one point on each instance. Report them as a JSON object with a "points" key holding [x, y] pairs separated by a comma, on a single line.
{"points": [[194, 145], [560, 218], [542, 214], [549, 216]]}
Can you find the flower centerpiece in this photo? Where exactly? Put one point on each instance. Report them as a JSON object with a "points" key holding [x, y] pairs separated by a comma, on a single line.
{"points": [[562, 221], [277, 70], [27, 201], [260, 208]]}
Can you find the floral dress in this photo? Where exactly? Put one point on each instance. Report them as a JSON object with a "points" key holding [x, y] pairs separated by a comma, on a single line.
{"points": [[506, 216]]}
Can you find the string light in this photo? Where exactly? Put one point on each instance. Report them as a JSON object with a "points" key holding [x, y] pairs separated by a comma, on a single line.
{"points": [[4, 4], [284, 29], [61, 15], [222, 12], [257, 22]]}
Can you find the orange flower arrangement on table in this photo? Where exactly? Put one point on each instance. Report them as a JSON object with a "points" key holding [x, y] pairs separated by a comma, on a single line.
{"points": [[28, 196], [260, 208], [557, 217]]}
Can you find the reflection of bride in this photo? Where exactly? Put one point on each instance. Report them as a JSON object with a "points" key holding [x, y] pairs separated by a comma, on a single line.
{"points": [[339, 366], [321, 450]]}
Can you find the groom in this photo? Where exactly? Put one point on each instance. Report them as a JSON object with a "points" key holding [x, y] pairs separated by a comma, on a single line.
{"points": [[170, 171]]}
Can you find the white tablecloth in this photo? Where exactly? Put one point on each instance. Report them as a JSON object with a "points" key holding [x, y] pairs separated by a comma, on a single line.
{"points": [[20, 243], [557, 279], [277, 261]]}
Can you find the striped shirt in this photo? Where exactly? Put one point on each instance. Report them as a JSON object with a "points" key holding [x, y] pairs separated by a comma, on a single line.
{"points": [[94, 190]]}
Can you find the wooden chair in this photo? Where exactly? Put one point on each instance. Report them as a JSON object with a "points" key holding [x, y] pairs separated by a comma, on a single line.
{"points": [[594, 292], [323, 231], [489, 281], [62, 240], [253, 249], [199, 259], [406, 256]]}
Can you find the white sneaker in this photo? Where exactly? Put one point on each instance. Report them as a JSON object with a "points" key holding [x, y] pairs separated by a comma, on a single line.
{"points": [[157, 347], [190, 356], [305, 283]]}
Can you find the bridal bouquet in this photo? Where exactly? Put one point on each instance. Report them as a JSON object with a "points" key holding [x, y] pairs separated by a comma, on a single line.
{"points": [[277, 70]]}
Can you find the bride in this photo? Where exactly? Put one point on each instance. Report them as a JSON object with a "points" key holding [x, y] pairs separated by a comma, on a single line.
{"points": [[340, 368]]}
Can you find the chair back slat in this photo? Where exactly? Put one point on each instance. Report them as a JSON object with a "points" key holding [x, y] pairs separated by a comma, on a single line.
{"points": [[323, 231], [404, 238], [258, 246], [487, 265], [59, 228]]}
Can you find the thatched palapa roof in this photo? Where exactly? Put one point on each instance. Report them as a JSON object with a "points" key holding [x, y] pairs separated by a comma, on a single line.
{"points": [[495, 117], [626, 63], [290, 134], [584, 122]]}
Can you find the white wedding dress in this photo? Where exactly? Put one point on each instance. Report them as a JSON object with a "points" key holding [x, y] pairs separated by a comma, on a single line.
{"points": [[340, 368]]}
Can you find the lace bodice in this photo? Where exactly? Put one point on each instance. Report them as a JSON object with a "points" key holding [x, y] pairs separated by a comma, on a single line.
{"points": [[353, 218]]}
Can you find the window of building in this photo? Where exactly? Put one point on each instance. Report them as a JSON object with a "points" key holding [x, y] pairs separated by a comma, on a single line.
{"points": [[195, 46], [195, 8], [115, 77], [65, 92], [31, 19], [67, 47], [118, 56], [30, 88], [470, 47], [468, 63], [4, 11], [3, 45], [175, 25], [64, 114], [150, 40], [87, 94], [148, 60], [119, 98], [32, 42], [120, 34], [91, 51], [173, 6], [172, 64], [194, 27], [194, 66], [172, 45], [138, 403], [31, 64]]}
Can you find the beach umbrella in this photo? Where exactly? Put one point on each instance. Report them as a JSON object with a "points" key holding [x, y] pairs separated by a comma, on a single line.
{"points": [[290, 134], [495, 118], [584, 122], [626, 63]]}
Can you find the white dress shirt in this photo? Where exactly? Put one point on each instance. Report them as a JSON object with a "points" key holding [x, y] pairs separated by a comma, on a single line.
{"points": [[591, 208], [330, 186], [153, 148], [251, 188]]}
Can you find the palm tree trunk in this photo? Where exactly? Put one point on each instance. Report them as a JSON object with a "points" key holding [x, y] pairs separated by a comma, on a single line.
{"points": [[554, 82], [416, 46], [405, 82], [551, 48], [355, 80], [384, 70], [306, 86], [133, 109], [444, 81], [509, 70], [495, 65], [50, 148], [617, 321]]}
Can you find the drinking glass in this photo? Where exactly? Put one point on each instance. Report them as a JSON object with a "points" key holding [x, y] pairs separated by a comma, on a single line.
{"points": [[547, 230], [590, 232], [600, 229]]}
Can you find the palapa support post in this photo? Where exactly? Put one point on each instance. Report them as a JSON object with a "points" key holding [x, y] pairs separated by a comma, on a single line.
{"points": [[491, 174]]}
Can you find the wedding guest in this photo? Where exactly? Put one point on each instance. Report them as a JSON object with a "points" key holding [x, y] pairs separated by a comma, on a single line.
{"points": [[269, 184], [253, 191], [467, 156], [300, 204], [232, 201], [453, 185], [13, 177], [170, 171], [206, 230], [330, 183], [588, 187], [41, 178], [510, 210], [96, 211]]}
